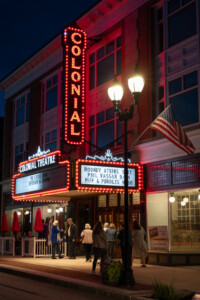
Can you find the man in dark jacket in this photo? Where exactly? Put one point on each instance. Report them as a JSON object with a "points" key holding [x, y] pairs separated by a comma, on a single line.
{"points": [[72, 234], [54, 240]]}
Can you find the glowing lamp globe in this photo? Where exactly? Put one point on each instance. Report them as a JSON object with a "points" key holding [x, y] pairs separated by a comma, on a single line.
{"points": [[171, 199], [115, 91], [136, 84]]}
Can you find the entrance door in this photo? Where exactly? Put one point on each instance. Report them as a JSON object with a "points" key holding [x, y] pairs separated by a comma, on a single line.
{"points": [[83, 214]]}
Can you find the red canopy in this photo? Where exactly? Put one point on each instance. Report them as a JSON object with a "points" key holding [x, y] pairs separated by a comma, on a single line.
{"points": [[38, 221], [4, 225], [15, 224]]}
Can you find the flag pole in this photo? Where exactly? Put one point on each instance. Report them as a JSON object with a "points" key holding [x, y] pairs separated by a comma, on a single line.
{"points": [[139, 137]]}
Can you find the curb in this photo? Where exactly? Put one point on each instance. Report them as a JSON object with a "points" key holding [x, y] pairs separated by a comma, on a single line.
{"points": [[77, 284]]}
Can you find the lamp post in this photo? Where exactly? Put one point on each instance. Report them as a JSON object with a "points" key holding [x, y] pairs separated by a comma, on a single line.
{"points": [[115, 92]]}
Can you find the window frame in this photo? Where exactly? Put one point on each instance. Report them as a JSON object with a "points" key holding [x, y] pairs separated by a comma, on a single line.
{"points": [[45, 89], [96, 125], [93, 52], [26, 96], [185, 90]]}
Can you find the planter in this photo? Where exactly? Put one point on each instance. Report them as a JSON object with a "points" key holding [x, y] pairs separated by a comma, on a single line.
{"points": [[112, 272]]}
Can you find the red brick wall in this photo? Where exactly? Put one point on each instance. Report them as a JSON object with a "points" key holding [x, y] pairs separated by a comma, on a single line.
{"points": [[7, 145], [145, 38]]}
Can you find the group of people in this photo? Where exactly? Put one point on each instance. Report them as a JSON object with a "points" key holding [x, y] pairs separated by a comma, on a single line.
{"points": [[101, 241], [71, 233]]}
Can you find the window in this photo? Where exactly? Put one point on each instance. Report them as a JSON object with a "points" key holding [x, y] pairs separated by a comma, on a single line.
{"points": [[51, 140], [105, 130], [50, 93], [19, 155], [22, 104], [105, 63], [181, 20], [185, 222], [183, 93]]}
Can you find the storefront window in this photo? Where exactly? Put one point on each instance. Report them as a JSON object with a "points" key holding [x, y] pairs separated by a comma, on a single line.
{"points": [[185, 222]]}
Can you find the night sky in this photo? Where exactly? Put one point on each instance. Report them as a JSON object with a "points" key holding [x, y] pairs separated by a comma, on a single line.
{"points": [[26, 25]]}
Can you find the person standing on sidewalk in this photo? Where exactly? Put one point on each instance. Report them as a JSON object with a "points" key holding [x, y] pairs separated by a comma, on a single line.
{"points": [[54, 239], [111, 234], [121, 238], [99, 244], [139, 248], [72, 234], [86, 234]]}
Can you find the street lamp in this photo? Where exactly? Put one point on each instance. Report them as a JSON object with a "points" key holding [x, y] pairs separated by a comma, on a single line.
{"points": [[115, 92]]}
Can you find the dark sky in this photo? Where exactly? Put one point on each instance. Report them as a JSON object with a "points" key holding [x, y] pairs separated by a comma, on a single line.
{"points": [[26, 25]]}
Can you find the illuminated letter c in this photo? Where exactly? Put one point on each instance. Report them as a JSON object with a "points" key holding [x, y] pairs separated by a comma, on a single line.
{"points": [[74, 40]]}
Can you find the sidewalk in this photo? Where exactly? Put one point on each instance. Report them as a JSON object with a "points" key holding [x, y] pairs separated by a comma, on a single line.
{"points": [[77, 274]]}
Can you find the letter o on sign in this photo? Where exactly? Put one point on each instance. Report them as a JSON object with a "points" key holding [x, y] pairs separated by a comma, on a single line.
{"points": [[76, 76], [76, 50]]}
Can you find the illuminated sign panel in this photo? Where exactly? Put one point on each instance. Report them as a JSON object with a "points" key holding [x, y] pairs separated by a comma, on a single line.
{"points": [[107, 176], [48, 180], [47, 175], [74, 72]]}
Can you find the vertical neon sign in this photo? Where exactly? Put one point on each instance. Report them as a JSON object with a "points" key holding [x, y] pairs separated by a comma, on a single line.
{"points": [[74, 78]]}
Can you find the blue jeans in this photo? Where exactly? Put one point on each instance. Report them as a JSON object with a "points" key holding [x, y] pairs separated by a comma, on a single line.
{"points": [[110, 249]]}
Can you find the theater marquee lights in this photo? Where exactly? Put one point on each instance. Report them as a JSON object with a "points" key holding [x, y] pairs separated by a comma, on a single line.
{"points": [[41, 176], [74, 77], [107, 176]]}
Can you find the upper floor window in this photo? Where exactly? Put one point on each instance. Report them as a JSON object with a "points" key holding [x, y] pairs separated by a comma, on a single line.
{"points": [[105, 63], [105, 130], [19, 155], [51, 140], [22, 104], [183, 93], [50, 92], [181, 20]]}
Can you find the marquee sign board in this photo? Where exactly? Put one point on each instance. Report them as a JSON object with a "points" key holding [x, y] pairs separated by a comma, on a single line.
{"points": [[41, 176], [74, 41], [107, 176]]}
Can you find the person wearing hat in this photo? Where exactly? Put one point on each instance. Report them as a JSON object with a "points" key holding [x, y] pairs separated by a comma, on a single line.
{"points": [[87, 241]]}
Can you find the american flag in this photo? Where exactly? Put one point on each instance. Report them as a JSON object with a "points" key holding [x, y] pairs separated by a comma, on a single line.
{"points": [[167, 125]]}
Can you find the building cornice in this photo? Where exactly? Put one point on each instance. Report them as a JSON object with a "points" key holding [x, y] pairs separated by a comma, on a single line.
{"points": [[41, 56]]}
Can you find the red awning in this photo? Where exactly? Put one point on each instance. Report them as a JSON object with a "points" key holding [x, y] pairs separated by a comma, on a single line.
{"points": [[38, 221], [15, 224], [4, 225]]}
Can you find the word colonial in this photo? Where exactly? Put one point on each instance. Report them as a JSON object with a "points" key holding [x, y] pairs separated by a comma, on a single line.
{"points": [[39, 163]]}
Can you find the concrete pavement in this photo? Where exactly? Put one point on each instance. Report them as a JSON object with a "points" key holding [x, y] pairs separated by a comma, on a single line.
{"points": [[77, 273]]}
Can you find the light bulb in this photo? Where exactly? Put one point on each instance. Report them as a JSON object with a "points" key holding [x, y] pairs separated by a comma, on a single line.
{"points": [[185, 199], [183, 203], [171, 199], [49, 210], [61, 209]]}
